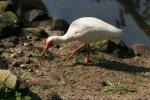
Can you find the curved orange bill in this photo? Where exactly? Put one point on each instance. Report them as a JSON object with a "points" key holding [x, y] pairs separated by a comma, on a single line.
{"points": [[42, 55], [43, 52]]}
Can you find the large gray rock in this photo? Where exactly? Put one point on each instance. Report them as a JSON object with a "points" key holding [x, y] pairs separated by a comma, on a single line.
{"points": [[59, 24], [7, 79], [36, 17]]}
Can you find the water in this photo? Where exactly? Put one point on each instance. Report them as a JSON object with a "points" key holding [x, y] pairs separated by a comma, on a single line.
{"points": [[110, 11]]}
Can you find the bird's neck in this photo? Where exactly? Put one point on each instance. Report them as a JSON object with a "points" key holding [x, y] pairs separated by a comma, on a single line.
{"points": [[61, 39]]}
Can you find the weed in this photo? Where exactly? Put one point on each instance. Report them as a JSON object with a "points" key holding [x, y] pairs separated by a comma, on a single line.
{"points": [[77, 58], [5, 93], [8, 94], [54, 89], [19, 74], [98, 57], [56, 77], [117, 87], [18, 95], [65, 49], [27, 98], [33, 54], [35, 88]]}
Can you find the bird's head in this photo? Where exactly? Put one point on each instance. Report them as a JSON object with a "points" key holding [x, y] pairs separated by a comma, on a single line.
{"points": [[48, 44], [53, 40]]}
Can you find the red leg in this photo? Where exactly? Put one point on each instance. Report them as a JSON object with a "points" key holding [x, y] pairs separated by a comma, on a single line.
{"points": [[76, 50], [86, 60]]}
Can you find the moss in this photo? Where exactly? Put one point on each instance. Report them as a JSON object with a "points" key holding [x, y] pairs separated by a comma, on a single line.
{"points": [[36, 33], [32, 30], [8, 23], [3, 6], [8, 18]]}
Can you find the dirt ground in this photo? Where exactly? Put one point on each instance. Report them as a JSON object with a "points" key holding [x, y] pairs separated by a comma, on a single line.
{"points": [[107, 77]]}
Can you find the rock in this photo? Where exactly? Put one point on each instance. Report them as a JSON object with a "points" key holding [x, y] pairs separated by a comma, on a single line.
{"points": [[33, 30], [53, 96], [44, 23], [22, 65], [24, 5], [59, 24], [106, 46], [27, 44], [1, 50], [39, 73], [17, 63], [19, 51], [28, 37], [3, 65], [7, 79], [8, 24], [140, 49], [35, 16], [124, 51], [12, 41], [120, 50], [7, 44], [13, 55], [36, 33], [3, 6]]}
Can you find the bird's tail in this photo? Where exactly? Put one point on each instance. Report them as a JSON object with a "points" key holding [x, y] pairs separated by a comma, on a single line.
{"points": [[118, 37]]}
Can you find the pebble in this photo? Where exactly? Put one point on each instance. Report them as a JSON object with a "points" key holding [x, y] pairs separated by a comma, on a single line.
{"points": [[7, 44], [19, 51], [16, 63], [39, 73], [2, 50], [22, 65], [13, 55], [28, 60], [27, 44], [29, 37]]}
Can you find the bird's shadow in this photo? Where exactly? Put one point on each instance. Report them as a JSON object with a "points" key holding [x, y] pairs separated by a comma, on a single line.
{"points": [[117, 66]]}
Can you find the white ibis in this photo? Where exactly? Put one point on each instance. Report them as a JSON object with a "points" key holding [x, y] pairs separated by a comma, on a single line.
{"points": [[87, 30]]}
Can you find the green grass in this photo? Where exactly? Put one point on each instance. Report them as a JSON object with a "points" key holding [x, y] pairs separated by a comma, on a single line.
{"points": [[97, 57], [56, 77], [77, 59], [117, 87]]}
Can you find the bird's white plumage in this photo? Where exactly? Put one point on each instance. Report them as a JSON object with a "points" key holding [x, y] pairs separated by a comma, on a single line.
{"points": [[89, 30]]}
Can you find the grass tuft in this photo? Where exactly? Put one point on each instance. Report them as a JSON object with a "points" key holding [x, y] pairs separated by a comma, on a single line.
{"points": [[117, 87]]}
